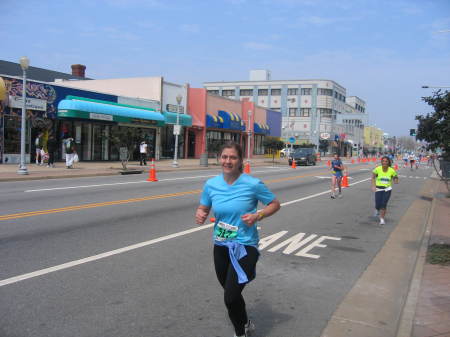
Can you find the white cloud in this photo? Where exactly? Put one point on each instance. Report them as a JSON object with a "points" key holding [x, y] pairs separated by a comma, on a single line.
{"points": [[257, 46]]}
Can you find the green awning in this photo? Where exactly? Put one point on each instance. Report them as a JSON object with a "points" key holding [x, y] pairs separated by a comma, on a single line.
{"points": [[171, 118]]}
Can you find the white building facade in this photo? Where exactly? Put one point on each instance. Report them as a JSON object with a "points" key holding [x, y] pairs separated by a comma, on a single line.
{"points": [[311, 109]]}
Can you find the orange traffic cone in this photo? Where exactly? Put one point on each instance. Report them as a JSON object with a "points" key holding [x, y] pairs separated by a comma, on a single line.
{"points": [[247, 167], [345, 181], [212, 219], [329, 163], [294, 164], [396, 167], [152, 172], [353, 161]]}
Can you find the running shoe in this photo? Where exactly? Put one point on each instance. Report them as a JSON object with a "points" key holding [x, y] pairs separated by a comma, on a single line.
{"points": [[382, 221], [249, 328], [333, 196]]}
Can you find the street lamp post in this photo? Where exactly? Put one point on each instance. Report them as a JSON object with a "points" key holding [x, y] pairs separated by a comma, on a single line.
{"points": [[249, 132], [176, 131], [24, 63], [433, 87]]}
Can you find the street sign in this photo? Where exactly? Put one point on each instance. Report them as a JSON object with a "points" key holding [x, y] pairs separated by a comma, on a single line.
{"points": [[176, 130], [292, 140]]}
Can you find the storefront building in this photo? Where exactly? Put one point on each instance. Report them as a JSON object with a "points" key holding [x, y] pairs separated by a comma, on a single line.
{"points": [[91, 118], [216, 120]]}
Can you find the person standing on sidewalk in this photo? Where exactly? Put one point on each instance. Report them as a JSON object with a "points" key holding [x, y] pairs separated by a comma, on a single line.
{"points": [[52, 145], [234, 196], [69, 144], [143, 147], [382, 178], [337, 167], [39, 143]]}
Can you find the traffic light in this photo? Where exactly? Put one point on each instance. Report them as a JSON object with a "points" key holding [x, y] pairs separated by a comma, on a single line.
{"points": [[412, 132]]}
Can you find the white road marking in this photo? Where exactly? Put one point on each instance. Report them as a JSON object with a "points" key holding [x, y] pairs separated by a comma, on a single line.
{"points": [[322, 177], [135, 182], [74, 263]]}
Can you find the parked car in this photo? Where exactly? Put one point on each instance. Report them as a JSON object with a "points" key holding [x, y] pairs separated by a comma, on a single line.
{"points": [[285, 152], [306, 156]]}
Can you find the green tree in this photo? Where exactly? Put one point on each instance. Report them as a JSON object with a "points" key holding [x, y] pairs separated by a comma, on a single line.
{"points": [[272, 145], [434, 127]]}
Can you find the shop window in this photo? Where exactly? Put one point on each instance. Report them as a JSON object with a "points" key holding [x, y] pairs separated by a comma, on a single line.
{"points": [[227, 93], [213, 92], [292, 91]]}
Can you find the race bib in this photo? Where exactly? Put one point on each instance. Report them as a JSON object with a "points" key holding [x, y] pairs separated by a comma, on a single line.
{"points": [[225, 231]]}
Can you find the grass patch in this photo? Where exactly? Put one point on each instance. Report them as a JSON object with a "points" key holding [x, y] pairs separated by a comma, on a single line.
{"points": [[439, 254]]}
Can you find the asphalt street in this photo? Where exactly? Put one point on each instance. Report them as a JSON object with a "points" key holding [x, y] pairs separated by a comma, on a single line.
{"points": [[118, 256]]}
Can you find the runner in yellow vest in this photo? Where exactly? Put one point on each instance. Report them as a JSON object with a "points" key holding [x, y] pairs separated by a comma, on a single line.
{"points": [[382, 178]]}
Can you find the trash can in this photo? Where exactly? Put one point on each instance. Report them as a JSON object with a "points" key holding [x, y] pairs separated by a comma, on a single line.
{"points": [[204, 159], [445, 168]]}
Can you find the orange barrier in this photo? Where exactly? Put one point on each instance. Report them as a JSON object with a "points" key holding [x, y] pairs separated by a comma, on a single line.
{"points": [[294, 164], [152, 172], [345, 181], [247, 167]]}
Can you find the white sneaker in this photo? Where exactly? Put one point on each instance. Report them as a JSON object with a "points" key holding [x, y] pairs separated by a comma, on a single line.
{"points": [[382, 221]]}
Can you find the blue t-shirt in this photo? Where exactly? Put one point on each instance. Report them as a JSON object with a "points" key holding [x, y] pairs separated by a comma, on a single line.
{"points": [[335, 163], [230, 202]]}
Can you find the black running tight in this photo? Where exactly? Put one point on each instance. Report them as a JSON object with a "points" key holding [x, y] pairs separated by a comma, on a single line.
{"points": [[227, 277]]}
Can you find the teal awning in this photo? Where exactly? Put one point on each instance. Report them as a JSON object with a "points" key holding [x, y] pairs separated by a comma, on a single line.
{"points": [[73, 108], [171, 118]]}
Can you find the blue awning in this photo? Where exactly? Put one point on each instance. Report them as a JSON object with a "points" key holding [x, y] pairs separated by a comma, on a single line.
{"points": [[171, 118], [95, 110], [230, 120], [261, 128], [214, 121]]}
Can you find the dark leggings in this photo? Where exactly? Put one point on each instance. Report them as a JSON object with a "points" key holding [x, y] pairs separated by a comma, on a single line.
{"points": [[51, 157], [234, 301], [381, 199]]}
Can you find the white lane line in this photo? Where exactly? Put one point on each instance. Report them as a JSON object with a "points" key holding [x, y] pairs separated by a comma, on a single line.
{"points": [[74, 263], [136, 182]]}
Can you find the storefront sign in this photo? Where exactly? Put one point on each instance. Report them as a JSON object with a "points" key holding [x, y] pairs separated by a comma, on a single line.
{"points": [[31, 103], [102, 117], [173, 108], [325, 135]]}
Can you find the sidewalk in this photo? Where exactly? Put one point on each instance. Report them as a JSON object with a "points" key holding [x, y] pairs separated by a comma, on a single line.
{"points": [[432, 314], [8, 172]]}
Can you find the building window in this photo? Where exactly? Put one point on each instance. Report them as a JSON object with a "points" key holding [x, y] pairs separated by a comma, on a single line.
{"points": [[305, 112], [292, 91], [324, 92], [275, 92], [263, 92], [292, 112], [213, 92], [325, 113], [306, 91], [275, 109], [246, 92], [227, 93]]}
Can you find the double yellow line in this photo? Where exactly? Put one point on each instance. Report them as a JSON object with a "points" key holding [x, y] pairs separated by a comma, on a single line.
{"points": [[127, 201], [99, 204]]}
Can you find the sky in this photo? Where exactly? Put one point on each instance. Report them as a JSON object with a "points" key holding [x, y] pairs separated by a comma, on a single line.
{"points": [[382, 51]]}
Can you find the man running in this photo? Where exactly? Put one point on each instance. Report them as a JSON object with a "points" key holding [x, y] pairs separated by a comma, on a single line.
{"points": [[336, 170]]}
